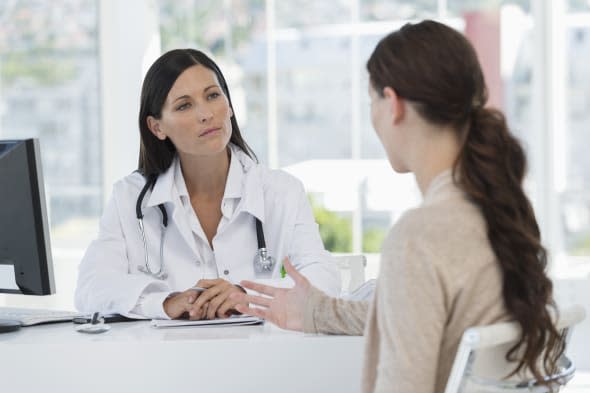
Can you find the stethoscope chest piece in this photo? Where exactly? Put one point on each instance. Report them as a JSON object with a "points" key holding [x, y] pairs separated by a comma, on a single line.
{"points": [[264, 264]]}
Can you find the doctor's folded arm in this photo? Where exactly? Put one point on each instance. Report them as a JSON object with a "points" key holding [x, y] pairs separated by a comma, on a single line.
{"points": [[200, 214]]}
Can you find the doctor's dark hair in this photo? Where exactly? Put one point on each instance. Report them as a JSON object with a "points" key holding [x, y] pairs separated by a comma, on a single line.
{"points": [[436, 70], [155, 155]]}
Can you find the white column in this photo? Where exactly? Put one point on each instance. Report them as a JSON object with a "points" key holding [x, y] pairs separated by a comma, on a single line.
{"points": [[271, 85], [129, 43], [549, 118], [441, 9], [355, 132]]}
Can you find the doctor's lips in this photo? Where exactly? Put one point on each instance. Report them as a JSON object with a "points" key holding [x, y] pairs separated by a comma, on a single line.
{"points": [[209, 131]]}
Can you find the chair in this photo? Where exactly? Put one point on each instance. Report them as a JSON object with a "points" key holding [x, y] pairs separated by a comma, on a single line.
{"points": [[352, 270], [480, 364]]}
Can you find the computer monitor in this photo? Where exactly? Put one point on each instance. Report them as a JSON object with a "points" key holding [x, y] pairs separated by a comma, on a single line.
{"points": [[25, 255]]}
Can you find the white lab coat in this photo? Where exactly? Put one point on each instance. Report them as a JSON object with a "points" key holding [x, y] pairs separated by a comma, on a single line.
{"points": [[109, 280]]}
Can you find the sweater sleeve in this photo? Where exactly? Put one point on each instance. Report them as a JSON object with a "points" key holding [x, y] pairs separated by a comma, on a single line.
{"points": [[409, 319], [325, 314]]}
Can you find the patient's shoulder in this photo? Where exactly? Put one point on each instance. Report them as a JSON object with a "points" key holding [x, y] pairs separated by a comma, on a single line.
{"points": [[440, 227]]}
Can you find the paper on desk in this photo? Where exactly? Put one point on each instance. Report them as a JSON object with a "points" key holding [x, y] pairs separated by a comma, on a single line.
{"points": [[234, 320]]}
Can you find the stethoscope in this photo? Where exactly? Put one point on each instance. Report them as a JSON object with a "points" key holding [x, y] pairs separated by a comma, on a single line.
{"points": [[263, 263]]}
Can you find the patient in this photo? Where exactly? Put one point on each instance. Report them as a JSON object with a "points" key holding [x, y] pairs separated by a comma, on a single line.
{"points": [[469, 255]]}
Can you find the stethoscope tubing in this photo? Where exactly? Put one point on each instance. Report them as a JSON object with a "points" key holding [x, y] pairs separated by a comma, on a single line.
{"points": [[160, 274]]}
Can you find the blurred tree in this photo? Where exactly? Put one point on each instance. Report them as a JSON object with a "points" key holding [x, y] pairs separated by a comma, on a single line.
{"points": [[335, 230], [37, 48], [210, 25], [44, 70], [582, 246], [372, 239]]}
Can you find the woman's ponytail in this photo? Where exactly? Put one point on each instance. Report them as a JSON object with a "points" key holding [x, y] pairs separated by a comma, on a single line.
{"points": [[491, 169]]}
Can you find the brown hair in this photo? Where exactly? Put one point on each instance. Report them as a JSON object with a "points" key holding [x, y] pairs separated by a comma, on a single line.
{"points": [[436, 69]]}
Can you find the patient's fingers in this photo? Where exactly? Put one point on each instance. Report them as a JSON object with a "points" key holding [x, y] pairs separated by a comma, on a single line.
{"points": [[260, 288], [253, 299], [257, 312]]}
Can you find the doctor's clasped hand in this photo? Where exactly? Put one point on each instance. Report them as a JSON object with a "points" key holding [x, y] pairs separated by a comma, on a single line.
{"points": [[181, 305], [209, 299]]}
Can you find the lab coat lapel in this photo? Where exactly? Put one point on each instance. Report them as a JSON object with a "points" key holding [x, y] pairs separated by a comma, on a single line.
{"points": [[253, 192], [181, 221], [165, 192]]}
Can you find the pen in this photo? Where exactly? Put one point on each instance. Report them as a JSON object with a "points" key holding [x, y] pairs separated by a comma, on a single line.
{"points": [[197, 289]]}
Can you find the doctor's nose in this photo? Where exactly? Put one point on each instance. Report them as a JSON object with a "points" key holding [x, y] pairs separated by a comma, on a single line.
{"points": [[204, 115]]}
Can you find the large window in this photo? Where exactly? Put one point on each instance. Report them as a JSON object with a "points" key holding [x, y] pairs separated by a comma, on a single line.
{"points": [[49, 90], [575, 189], [301, 89]]}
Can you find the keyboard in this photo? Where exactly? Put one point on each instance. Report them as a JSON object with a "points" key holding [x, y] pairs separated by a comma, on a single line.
{"points": [[30, 316]]}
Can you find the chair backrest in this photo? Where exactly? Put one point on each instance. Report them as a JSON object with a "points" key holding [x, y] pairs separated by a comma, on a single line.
{"points": [[352, 270], [480, 363]]}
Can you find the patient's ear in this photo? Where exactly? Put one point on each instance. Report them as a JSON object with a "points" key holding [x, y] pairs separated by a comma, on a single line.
{"points": [[154, 126], [396, 103]]}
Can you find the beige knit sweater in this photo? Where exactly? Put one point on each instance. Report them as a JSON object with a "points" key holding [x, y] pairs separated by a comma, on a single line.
{"points": [[438, 277]]}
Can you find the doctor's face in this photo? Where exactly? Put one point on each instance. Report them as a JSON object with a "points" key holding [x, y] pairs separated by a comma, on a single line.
{"points": [[196, 115]]}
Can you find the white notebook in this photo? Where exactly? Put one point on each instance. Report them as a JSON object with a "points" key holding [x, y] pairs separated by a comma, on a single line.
{"points": [[234, 320]]}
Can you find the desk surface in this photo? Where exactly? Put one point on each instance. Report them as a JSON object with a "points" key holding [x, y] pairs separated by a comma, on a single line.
{"points": [[135, 357]]}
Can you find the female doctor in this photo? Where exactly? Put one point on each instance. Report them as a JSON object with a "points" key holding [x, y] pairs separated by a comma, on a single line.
{"points": [[199, 213]]}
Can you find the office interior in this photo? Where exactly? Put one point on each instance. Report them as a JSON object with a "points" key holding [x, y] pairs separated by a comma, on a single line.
{"points": [[71, 72]]}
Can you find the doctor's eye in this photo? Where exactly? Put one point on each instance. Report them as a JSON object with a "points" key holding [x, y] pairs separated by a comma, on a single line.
{"points": [[213, 96], [182, 107]]}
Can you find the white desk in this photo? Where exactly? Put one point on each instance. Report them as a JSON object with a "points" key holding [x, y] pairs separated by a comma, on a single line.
{"points": [[135, 357]]}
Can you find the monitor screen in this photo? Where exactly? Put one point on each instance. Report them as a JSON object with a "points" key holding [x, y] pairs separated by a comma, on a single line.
{"points": [[25, 255]]}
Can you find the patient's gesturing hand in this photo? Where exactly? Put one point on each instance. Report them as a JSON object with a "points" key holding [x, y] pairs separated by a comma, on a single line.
{"points": [[283, 307]]}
